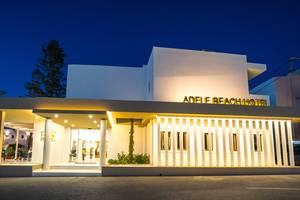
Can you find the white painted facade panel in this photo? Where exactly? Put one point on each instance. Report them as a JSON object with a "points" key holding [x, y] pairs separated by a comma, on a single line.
{"points": [[169, 75], [105, 82]]}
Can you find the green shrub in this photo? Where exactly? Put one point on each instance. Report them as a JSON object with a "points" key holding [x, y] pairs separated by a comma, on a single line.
{"points": [[142, 159], [123, 159]]}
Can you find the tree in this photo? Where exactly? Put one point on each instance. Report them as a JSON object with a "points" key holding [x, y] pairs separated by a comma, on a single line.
{"points": [[131, 141], [48, 79]]}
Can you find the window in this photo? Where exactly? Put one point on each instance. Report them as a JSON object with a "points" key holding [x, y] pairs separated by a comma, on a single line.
{"points": [[184, 141], [206, 141], [261, 142], [169, 140], [162, 140], [255, 142], [234, 142], [178, 140]]}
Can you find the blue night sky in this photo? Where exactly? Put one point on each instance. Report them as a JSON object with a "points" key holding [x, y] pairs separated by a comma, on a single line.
{"points": [[123, 32]]}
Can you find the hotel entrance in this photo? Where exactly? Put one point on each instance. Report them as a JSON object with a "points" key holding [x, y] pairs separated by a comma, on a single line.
{"points": [[85, 146]]}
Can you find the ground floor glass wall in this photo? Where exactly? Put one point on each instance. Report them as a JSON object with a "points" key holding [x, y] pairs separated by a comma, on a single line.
{"points": [[85, 146]]}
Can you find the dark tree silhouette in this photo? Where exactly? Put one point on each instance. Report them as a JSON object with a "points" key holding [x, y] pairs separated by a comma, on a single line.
{"points": [[48, 79]]}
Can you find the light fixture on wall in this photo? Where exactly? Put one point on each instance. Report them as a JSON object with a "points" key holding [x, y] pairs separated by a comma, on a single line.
{"points": [[66, 121], [56, 116], [91, 116]]}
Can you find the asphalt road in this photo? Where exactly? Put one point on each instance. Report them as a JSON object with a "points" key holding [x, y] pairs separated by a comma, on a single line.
{"points": [[143, 188]]}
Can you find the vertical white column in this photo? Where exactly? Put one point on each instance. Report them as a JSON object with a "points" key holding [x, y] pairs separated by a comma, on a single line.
{"points": [[271, 143], [195, 141], [154, 142], [174, 137], [283, 143], [258, 133], [181, 141], [188, 143], [201, 141], [266, 145], [158, 143], [251, 134], [17, 142], [245, 142], [239, 134], [103, 129], [217, 137], [224, 142], [210, 142], [278, 149], [47, 144], [290, 143], [230, 143], [166, 142], [2, 119]]}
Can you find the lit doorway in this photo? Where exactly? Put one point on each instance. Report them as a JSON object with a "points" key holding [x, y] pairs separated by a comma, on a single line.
{"points": [[85, 146]]}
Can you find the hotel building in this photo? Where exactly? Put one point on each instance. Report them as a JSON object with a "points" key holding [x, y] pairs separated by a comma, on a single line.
{"points": [[190, 109]]}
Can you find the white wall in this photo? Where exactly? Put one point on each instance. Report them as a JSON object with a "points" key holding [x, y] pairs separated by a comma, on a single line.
{"points": [[60, 148], [118, 140], [105, 82], [179, 73], [169, 75]]}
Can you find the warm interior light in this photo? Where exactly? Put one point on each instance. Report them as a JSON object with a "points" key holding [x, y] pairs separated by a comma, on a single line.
{"points": [[6, 132], [98, 125], [90, 116], [56, 115], [72, 125], [66, 121], [36, 117], [95, 121]]}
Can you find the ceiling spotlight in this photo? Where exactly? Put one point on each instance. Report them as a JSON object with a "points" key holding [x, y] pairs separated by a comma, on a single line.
{"points": [[36, 117], [56, 115], [98, 125], [66, 121], [72, 125], [95, 122], [90, 116]]}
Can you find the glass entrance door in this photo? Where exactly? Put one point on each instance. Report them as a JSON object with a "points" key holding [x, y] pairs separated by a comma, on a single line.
{"points": [[85, 146]]}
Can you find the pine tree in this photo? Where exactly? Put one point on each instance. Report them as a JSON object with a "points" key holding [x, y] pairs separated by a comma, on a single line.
{"points": [[48, 79]]}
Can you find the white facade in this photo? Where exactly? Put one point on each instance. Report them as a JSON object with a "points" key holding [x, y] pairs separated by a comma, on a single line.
{"points": [[170, 75]]}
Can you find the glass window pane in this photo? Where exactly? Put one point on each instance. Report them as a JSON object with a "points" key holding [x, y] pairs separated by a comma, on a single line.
{"points": [[234, 140], [255, 142], [206, 141], [169, 140], [162, 140], [184, 141], [178, 140]]}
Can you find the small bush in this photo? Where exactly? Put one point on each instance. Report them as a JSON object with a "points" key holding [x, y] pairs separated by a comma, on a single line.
{"points": [[123, 159], [142, 159]]}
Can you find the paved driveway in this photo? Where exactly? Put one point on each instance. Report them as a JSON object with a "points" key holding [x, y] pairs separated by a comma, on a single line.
{"points": [[143, 188]]}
